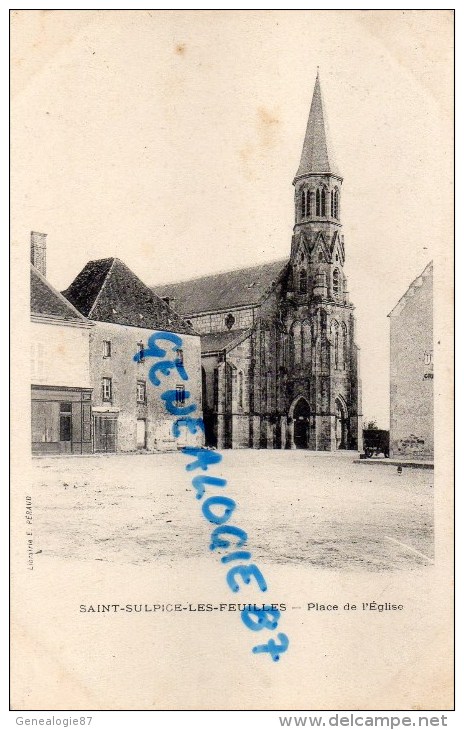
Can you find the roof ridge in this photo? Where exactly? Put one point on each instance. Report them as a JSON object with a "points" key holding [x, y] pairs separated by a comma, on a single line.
{"points": [[113, 259], [109, 291], [219, 273], [58, 294]]}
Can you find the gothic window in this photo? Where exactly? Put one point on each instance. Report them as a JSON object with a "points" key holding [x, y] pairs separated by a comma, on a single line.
{"points": [[318, 202], [320, 256], [335, 203], [332, 203], [268, 392], [309, 203], [240, 389], [264, 347], [334, 340], [344, 357], [323, 202], [228, 374], [304, 203], [296, 338], [336, 283], [283, 351], [306, 341], [303, 282], [216, 388]]}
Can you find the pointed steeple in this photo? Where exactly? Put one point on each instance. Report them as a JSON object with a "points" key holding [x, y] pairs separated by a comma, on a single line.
{"points": [[317, 155]]}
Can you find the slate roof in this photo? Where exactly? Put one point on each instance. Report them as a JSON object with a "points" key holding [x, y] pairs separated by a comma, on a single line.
{"points": [[317, 154], [215, 341], [222, 291], [108, 291], [48, 302]]}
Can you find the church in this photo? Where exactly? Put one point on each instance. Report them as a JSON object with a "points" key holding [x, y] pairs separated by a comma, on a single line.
{"points": [[280, 364]]}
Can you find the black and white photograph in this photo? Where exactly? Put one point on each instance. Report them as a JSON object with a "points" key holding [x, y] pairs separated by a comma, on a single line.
{"points": [[232, 427]]}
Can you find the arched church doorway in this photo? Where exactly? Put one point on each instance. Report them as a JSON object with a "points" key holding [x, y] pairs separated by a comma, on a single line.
{"points": [[341, 424], [301, 420]]}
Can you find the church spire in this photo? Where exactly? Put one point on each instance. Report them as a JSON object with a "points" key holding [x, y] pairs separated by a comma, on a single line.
{"points": [[317, 155]]}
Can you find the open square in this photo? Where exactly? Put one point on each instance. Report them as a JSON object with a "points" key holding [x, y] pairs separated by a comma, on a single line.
{"points": [[313, 509]]}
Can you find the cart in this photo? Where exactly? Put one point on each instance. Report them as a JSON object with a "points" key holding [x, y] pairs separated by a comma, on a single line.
{"points": [[375, 442]]}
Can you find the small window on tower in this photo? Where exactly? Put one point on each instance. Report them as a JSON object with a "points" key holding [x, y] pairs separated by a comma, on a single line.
{"points": [[318, 202], [336, 282], [303, 283], [323, 202]]}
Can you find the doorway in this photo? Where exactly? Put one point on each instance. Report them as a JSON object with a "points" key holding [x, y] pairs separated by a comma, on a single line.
{"points": [[341, 425], [141, 433], [105, 433], [301, 420]]}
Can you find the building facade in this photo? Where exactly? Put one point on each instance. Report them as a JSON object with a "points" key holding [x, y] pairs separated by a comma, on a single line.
{"points": [[128, 413], [61, 391], [411, 371], [278, 343]]}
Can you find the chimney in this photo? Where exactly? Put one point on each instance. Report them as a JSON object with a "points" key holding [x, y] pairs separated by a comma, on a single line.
{"points": [[39, 251]]}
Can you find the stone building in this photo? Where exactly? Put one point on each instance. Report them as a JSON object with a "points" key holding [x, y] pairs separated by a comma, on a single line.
{"points": [[61, 392], [411, 370], [278, 344], [128, 412]]}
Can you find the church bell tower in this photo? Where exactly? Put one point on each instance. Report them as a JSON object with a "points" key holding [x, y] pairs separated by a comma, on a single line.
{"points": [[318, 228], [322, 380]]}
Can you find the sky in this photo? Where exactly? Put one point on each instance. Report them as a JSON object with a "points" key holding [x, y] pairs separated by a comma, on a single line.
{"points": [[170, 139]]}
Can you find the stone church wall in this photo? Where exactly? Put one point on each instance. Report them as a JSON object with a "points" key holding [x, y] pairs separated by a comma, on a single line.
{"points": [[219, 322]]}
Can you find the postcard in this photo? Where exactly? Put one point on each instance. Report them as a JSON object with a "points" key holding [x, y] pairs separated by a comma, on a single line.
{"points": [[232, 435]]}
